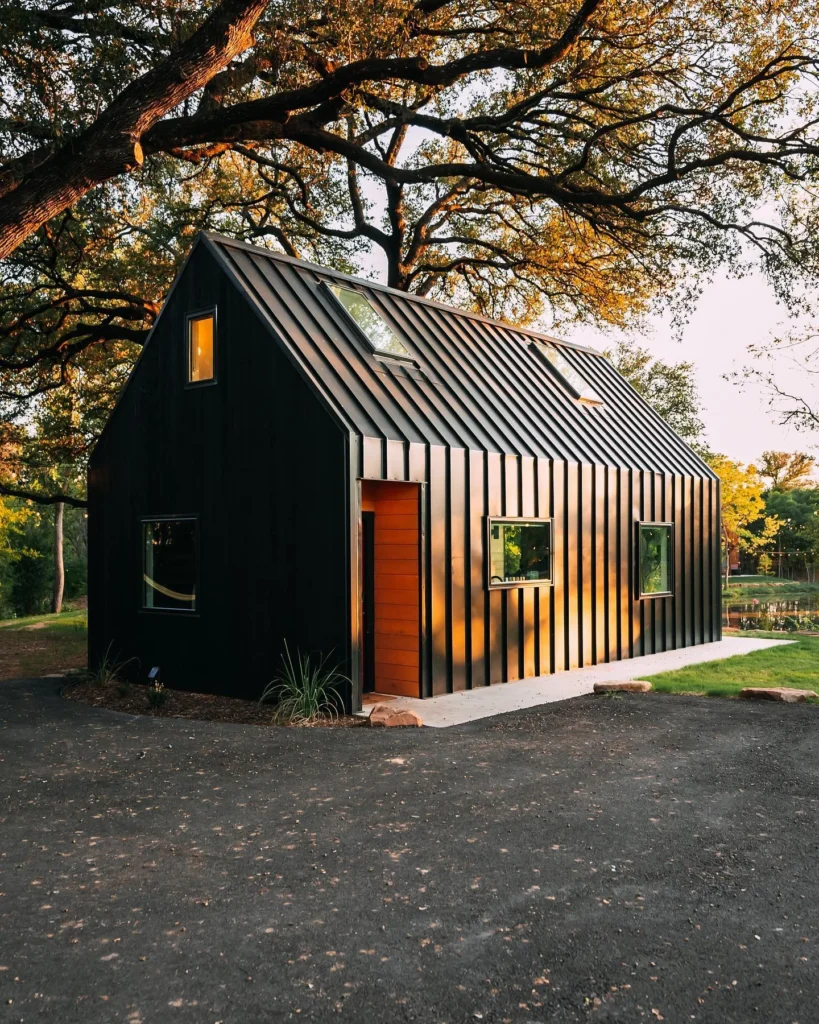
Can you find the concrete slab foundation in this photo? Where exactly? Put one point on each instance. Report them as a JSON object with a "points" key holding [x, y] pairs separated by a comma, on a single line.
{"points": [[500, 699]]}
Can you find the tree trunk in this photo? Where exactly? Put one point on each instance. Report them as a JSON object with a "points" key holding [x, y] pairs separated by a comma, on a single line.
{"points": [[59, 565], [112, 144]]}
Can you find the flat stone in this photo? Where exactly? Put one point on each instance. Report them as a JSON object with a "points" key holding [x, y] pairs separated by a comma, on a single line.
{"points": [[383, 714], [784, 694], [627, 686]]}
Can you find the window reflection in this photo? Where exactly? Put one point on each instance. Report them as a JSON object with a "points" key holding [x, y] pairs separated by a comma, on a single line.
{"points": [[520, 551], [655, 559], [376, 329], [169, 564]]}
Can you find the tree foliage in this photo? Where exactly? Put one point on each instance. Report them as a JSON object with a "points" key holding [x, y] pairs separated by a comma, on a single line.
{"points": [[670, 388], [551, 162], [796, 509], [520, 154], [744, 520], [786, 470]]}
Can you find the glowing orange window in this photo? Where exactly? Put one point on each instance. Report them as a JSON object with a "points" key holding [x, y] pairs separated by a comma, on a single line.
{"points": [[201, 347]]}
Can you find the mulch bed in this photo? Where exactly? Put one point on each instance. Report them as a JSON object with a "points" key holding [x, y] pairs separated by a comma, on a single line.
{"points": [[185, 704]]}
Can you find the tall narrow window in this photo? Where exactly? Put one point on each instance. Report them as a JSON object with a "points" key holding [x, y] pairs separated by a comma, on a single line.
{"points": [[201, 347], [368, 320], [520, 552], [654, 559], [169, 566]]}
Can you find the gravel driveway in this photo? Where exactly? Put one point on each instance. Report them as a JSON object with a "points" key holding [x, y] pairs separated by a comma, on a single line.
{"points": [[639, 858]]}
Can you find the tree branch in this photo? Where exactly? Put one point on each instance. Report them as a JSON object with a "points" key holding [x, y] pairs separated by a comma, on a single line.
{"points": [[42, 499], [112, 145]]}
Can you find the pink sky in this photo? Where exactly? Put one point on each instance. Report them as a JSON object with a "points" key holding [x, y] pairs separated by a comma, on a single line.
{"points": [[731, 315]]}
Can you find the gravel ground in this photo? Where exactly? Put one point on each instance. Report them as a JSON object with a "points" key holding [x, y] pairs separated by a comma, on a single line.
{"points": [[637, 858]]}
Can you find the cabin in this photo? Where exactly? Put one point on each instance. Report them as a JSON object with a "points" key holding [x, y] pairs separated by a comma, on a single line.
{"points": [[433, 500]]}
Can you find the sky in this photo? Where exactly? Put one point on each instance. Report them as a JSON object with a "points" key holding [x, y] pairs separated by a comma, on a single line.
{"points": [[730, 315]]}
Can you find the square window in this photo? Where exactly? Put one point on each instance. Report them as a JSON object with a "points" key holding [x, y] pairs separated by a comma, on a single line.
{"points": [[201, 347], [169, 564], [654, 559], [520, 552]]}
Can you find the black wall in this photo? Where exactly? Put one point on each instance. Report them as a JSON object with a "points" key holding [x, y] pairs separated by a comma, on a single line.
{"points": [[590, 615], [261, 463]]}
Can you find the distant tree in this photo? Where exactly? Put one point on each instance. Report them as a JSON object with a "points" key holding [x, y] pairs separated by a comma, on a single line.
{"points": [[669, 388], [786, 470], [743, 508], [799, 505], [13, 517], [797, 511]]}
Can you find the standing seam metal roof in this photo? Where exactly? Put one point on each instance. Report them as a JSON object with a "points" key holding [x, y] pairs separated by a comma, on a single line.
{"points": [[479, 383]]}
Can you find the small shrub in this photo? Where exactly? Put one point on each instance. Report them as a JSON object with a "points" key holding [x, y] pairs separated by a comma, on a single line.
{"points": [[157, 695], [124, 688], [765, 566], [306, 690], [108, 670]]}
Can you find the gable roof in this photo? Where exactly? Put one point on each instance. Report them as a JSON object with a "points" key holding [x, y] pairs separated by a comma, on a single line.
{"points": [[473, 382]]}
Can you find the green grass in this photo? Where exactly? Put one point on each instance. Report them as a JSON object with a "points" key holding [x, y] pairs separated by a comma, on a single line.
{"points": [[75, 620], [740, 581], [795, 664], [769, 587]]}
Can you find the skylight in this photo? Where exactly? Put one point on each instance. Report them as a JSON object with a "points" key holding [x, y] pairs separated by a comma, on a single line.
{"points": [[578, 385], [377, 331]]}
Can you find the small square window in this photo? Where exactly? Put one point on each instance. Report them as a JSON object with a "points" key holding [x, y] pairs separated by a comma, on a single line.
{"points": [[520, 552], [169, 564], [201, 347], [654, 562]]}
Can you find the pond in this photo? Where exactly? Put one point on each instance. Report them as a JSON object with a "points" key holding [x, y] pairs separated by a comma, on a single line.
{"points": [[795, 613]]}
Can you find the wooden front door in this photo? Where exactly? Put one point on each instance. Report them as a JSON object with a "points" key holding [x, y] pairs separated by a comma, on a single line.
{"points": [[391, 620]]}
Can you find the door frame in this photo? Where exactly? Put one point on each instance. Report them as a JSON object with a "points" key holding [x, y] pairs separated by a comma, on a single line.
{"points": [[424, 591], [367, 601]]}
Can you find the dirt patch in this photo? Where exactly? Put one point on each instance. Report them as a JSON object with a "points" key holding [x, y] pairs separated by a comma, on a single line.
{"points": [[28, 654], [184, 704]]}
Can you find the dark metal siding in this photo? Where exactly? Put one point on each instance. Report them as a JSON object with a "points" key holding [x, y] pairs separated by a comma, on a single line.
{"points": [[303, 411], [489, 430], [590, 615], [274, 537]]}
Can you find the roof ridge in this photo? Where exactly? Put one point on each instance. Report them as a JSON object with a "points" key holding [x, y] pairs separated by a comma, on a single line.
{"points": [[281, 257]]}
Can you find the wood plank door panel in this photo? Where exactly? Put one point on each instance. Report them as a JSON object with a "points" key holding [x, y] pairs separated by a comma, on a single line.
{"points": [[395, 576]]}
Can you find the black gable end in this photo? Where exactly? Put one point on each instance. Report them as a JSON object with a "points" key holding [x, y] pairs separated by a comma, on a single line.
{"points": [[226, 454]]}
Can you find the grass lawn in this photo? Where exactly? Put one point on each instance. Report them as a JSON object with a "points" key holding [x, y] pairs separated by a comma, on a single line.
{"points": [[42, 644], [795, 664], [768, 587]]}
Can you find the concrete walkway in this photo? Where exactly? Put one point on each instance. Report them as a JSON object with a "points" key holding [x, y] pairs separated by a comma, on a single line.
{"points": [[470, 705]]}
